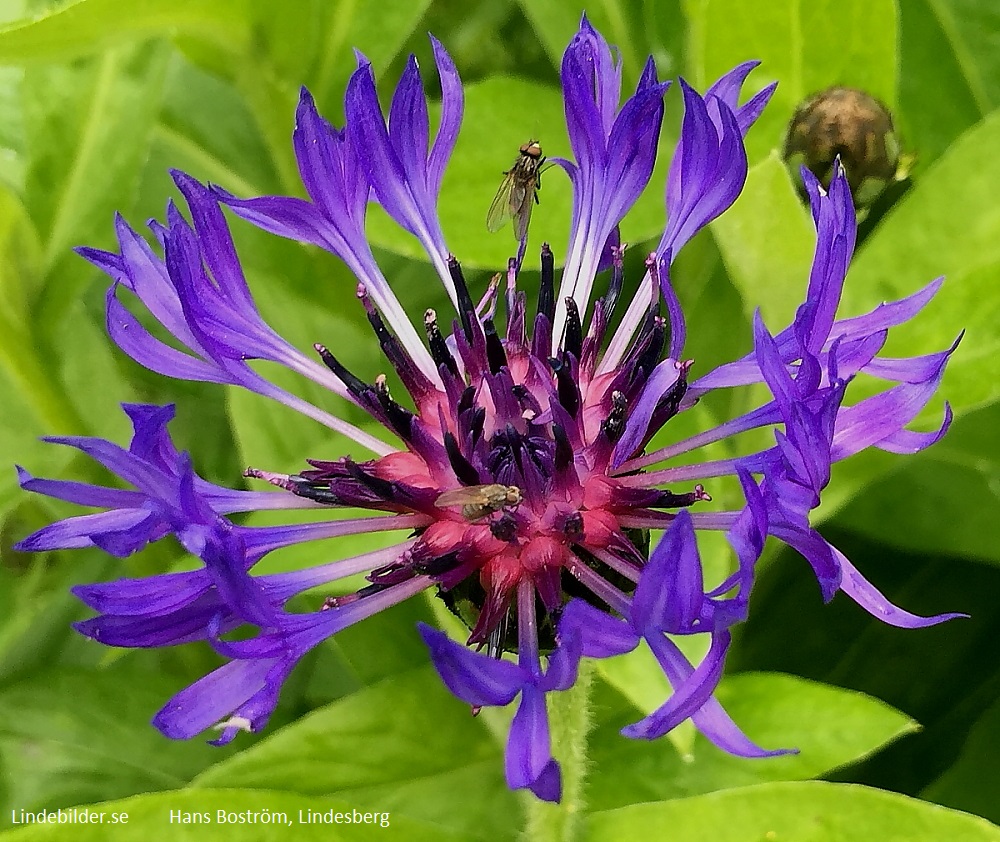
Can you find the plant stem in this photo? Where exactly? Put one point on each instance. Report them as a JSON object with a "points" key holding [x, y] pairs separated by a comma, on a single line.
{"points": [[570, 722]]}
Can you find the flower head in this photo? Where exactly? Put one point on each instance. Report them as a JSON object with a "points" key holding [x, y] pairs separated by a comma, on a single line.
{"points": [[523, 487]]}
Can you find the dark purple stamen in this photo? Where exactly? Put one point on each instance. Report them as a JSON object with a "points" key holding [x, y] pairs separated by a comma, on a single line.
{"points": [[437, 566], [504, 528], [615, 285], [466, 306], [547, 289], [463, 468], [573, 525], [400, 418], [440, 352], [495, 354], [355, 385], [573, 336], [563, 456], [566, 390], [614, 425], [382, 487]]}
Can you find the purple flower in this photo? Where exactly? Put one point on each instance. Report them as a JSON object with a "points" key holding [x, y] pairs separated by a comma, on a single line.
{"points": [[523, 486], [615, 151], [669, 599], [482, 680]]}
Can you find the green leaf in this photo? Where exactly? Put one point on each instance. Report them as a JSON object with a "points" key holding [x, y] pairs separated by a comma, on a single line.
{"points": [[829, 726], [404, 745], [76, 736], [949, 224], [970, 27], [936, 103], [806, 47], [555, 23], [91, 362], [103, 111], [971, 782], [917, 508], [311, 43], [767, 241], [804, 812], [35, 600], [195, 815], [378, 31], [207, 129], [31, 402], [91, 26], [360, 653]]}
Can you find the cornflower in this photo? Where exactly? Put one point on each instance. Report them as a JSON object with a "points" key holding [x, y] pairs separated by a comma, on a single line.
{"points": [[516, 470]]}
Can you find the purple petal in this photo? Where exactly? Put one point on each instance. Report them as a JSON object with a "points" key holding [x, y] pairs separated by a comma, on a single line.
{"points": [[881, 416], [330, 171], [909, 369], [748, 113], [708, 170], [528, 759], [814, 549], [728, 88], [887, 315], [151, 595], [582, 76], [107, 261], [120, 542], [865, 594], [215, 241], [663, 377], [908, 442], [607, 70], [835, 235], [713, 721], [632, 150], [564, 662], [148, 279], [289, 217], [409, 125], [129, 334], [691, 695], [670, 592], [212, 698], [123, 531], [771, 366], [150, 439], [678, 326], [225, 557], [750, 530], [187, 624], [599, 635], [81, 493], [452, 106], [814, 190], [474, 678], [367, 131]]}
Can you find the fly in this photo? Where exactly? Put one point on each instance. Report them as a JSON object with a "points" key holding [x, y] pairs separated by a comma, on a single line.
{"points": [[479, 501], [518, 192]]}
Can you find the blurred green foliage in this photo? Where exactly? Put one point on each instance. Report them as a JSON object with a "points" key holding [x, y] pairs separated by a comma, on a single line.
{"points": [[98, 98]]}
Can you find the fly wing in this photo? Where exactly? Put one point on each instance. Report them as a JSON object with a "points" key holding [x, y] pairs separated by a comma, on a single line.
{"points": [[524, 192], [520, 207], [457, 497], [500, 211]]}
